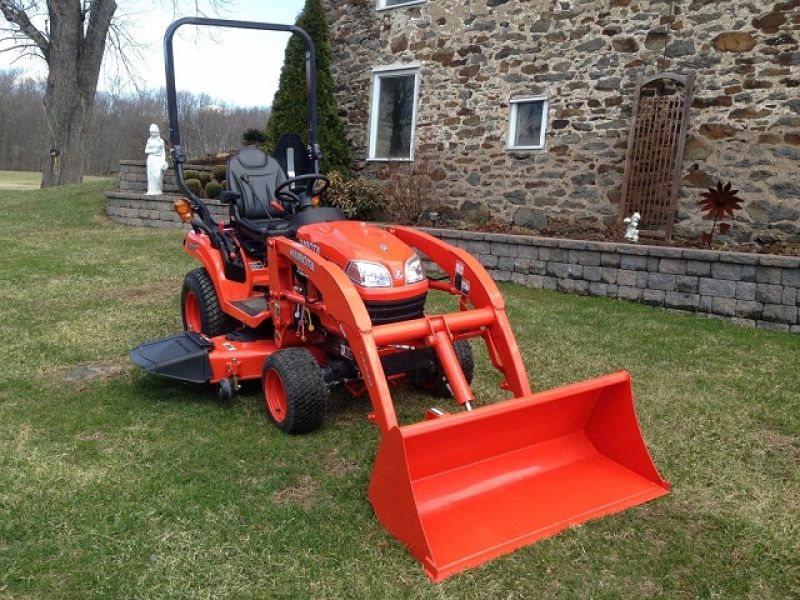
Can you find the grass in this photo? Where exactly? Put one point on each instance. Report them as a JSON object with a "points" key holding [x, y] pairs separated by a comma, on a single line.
{"points": [[133, 486], [27, 180]]}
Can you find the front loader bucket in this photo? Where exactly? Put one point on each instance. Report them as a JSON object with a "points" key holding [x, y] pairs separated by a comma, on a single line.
{"points": [[462, 489]]}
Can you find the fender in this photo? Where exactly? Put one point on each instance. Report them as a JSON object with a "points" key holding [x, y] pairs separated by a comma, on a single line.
{"points": [[229, 292]]}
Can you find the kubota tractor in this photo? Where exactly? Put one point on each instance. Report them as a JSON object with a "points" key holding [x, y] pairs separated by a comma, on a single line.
{"points": [[297, 297]]}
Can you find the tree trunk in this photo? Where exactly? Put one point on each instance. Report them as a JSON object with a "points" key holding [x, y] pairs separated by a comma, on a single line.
{"points": [[74, 57], [67, 111]]}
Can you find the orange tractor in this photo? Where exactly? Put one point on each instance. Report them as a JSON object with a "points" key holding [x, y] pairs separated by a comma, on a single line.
{"points": [[294, 295]]}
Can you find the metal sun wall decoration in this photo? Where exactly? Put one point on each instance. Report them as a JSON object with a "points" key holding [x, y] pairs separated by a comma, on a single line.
{"points": [[719, 202]]}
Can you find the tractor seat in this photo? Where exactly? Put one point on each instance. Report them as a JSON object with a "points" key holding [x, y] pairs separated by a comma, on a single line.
{"points": [[254, 175]]}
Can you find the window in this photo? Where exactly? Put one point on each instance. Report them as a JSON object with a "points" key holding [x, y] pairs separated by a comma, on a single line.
{"points": [[528, 124], [384, 4], [394, 113]]}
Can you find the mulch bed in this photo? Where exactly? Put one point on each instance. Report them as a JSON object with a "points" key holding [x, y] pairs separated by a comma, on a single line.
{"points": [[777, 248]]}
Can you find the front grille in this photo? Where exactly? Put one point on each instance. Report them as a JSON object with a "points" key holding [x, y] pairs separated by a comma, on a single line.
{"points": [[397, 310]]}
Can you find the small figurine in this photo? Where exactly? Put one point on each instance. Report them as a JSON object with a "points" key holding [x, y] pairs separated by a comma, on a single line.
{"points": [[632, 233], [156, 161]]}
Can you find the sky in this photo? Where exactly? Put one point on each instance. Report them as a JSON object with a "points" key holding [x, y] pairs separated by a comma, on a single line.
{"points": [[236, 67]]}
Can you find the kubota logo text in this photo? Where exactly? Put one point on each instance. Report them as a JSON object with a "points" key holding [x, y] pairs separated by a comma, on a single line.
{"points": [[301, 259]]}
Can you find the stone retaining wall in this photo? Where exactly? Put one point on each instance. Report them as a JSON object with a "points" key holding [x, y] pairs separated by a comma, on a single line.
{"points": [[750, 289], [130, 206], [755, 290], [152, 211]]}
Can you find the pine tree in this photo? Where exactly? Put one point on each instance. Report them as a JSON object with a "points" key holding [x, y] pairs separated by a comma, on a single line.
{"points": [[289, 108]]}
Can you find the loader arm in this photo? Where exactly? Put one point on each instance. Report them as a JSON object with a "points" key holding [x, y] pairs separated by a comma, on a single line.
{"points": [[477, 287], [337, 300], [342, 309], [467, 487]]}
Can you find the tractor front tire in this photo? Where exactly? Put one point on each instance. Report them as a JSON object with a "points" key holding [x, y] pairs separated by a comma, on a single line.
{"points": [[432, 380], [200, 309], [295, 394]]}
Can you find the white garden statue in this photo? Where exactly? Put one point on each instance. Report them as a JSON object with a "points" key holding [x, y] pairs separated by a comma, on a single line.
{"points": [[156, 161], [632, 232]]}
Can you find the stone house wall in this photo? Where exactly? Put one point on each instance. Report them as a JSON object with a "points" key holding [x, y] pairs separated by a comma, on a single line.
{"points": [[477, 55]]}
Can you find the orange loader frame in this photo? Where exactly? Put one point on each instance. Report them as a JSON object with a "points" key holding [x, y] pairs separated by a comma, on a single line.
{"points": [[463, 488]]}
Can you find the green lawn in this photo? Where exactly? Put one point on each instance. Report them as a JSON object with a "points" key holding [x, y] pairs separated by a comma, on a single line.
{"points": [[133, 486], [27, 180]]}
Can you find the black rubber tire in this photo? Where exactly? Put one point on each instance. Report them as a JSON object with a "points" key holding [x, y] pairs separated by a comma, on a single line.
{"points": [[432, 381], [306, 395], [213, 321]]}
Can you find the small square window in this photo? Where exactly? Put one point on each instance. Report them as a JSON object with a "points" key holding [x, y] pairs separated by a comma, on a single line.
{"points": [[384, 4], [528, 124], [394, 114]]}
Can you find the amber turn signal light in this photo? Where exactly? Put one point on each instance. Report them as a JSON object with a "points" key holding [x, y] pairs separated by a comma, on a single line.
{"points": [[315, 201], [184, 209]]}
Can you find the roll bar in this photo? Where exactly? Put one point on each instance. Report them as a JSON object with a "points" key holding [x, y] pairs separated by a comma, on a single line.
{"points": [[177, 153]]}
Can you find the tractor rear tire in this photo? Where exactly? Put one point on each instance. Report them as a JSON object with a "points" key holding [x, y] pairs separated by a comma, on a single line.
{"points": [[200, 309], [295, 394], [433, 382]]}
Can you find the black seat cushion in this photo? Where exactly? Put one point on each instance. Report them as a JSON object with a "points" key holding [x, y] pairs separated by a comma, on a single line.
{"points": [[255, 175]]}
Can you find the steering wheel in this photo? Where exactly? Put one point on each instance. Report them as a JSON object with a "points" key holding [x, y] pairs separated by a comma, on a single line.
{"points": [[284, 194]]}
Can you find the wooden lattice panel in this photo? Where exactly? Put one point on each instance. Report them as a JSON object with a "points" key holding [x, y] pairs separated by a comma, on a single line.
{"points": [[655, 151]]}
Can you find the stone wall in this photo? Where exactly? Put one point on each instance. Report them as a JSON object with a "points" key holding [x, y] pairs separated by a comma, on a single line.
{"points": [[755, 290], [751, 289], [129, 206], [477, 55]]}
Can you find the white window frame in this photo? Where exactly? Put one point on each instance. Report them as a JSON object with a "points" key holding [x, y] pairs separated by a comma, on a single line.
{"points": [[392, 71], [512, 130], [381, 4]]}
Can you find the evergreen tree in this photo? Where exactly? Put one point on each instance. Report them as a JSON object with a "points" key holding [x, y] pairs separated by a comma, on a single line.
{"points": [[289, 108], [253, 136]]}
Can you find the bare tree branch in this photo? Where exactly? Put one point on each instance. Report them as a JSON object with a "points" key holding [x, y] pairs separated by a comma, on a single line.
{"points": [[94, 41], [17, 15], [27, 48], [124, 50]]}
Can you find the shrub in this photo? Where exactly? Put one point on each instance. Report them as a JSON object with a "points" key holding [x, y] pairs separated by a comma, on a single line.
{"points": [[356, 198], [191, 174], [219, 172], [254, 137], [195, 186], [409, 191], [213, 189], [205, 177]]}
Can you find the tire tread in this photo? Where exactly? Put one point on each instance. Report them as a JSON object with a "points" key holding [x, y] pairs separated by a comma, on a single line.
{"points": [[214, 320], [304, 385]]}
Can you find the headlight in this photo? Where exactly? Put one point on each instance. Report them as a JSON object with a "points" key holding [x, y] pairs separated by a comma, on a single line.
{"points": [[414, 272], [368, 274]]}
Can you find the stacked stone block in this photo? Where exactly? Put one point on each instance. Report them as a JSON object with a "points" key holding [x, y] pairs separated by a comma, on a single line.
{"points": [[755, 290], [152, 211], [129, 206]]}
